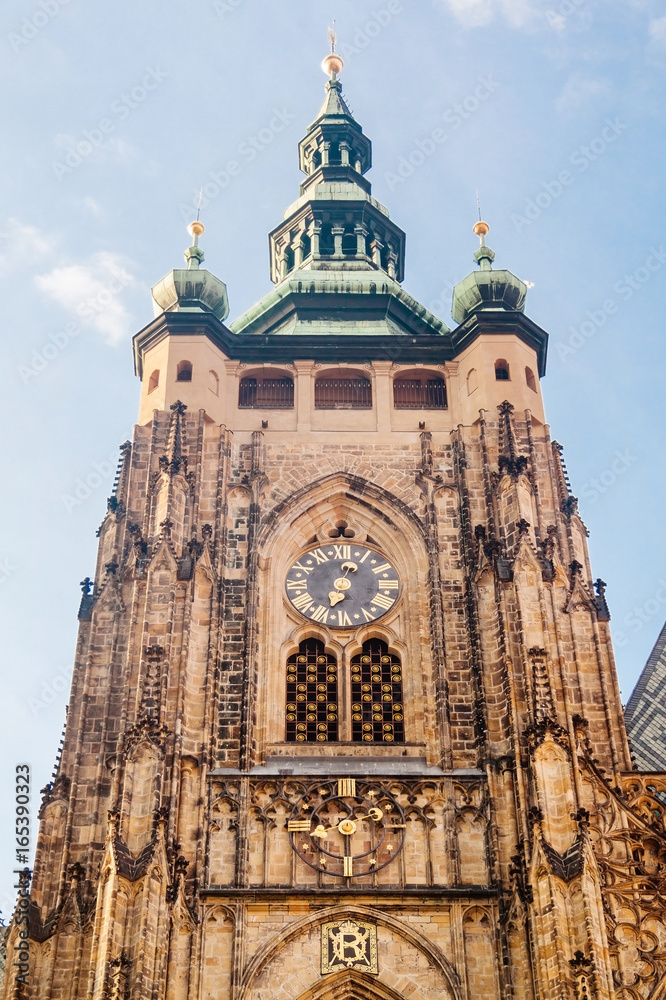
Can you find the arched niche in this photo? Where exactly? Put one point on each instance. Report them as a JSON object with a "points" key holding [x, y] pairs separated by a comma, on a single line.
{"points": [[419, 389], [404, 954], [304, 519], [343, 389], [265, 388]]}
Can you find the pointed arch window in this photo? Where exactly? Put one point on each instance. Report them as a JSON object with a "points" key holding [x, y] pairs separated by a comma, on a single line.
{"points": [[312, 695], [376, 690]]}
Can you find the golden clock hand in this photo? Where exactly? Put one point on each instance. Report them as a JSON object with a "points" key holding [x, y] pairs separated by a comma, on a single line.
{"points": [[374, 813], [342, 583]]}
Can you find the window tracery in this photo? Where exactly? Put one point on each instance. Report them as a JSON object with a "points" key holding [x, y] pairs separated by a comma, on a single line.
{"points": [[312, 695], [376, 690]]}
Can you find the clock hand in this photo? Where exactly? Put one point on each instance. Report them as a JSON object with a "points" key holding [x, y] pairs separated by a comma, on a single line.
{"points": [[342, 583], [374, 813]]}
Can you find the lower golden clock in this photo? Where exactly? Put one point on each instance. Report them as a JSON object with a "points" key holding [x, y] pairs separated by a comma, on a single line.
{"points": [[346, 828]]}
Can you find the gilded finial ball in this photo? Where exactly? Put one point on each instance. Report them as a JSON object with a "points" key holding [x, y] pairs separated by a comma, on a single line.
{"points": [[196, 228], [332, 64], [481, 228]]}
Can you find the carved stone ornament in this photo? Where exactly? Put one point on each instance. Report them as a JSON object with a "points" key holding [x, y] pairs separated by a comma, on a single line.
{"points": [[348, 944]]}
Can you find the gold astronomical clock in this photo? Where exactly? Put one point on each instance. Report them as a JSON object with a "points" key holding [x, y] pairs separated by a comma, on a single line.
{"points": [[342, 586], [347, 829]]}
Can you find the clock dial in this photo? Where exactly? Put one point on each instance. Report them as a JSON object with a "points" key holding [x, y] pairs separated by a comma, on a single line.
{"points": [[347, 829], [342, 586]]}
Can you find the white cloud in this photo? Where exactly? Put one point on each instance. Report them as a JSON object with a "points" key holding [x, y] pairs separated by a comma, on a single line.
{"points": [[580, 91], [109, 149], [471, 13], [92, 291], [21, 243], [658, 31], [477, 13], [91, 205]]}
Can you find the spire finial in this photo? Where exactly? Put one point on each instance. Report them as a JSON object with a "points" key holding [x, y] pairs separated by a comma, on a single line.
{"points": [[194, 254], [484, 256], [333, 63]]}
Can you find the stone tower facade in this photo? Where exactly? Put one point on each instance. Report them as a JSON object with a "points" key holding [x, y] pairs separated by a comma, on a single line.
{"points": [[344, 719]]}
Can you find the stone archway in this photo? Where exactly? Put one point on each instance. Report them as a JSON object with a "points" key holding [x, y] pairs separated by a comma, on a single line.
{"points": [[410, 964], [351, 986]]}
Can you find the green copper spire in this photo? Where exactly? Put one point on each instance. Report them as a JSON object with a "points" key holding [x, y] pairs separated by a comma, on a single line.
{"points": [[336, 225], [485, 288], [192, 289]]}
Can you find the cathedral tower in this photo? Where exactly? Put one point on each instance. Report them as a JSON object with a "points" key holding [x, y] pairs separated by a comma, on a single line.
{"points": [[344, 718]]}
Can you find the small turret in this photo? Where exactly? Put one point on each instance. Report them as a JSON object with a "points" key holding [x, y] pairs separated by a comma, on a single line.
{"points": [[192, 289], [485, 288]]}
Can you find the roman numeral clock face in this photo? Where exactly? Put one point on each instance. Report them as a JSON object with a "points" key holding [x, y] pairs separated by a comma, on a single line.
{"points": [[342, 586]]}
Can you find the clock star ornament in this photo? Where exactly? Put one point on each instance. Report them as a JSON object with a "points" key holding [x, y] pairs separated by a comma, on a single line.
{"points": [[342, 586]]}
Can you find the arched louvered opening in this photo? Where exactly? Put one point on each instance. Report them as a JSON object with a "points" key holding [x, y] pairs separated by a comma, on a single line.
{"points": [[376, 690], [184, 371], [385, 251], [289, 259], [349, 242], [502, 370], [312, 695], [306, 243], [530, 379], [326, 242], [154, 380]]}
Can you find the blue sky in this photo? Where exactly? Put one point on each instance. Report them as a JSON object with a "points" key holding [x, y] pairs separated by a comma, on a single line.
{"points": [[116, 114]]}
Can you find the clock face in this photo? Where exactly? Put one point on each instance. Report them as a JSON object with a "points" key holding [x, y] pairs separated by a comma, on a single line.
{"points": [[347, 829], [342, 586]]}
